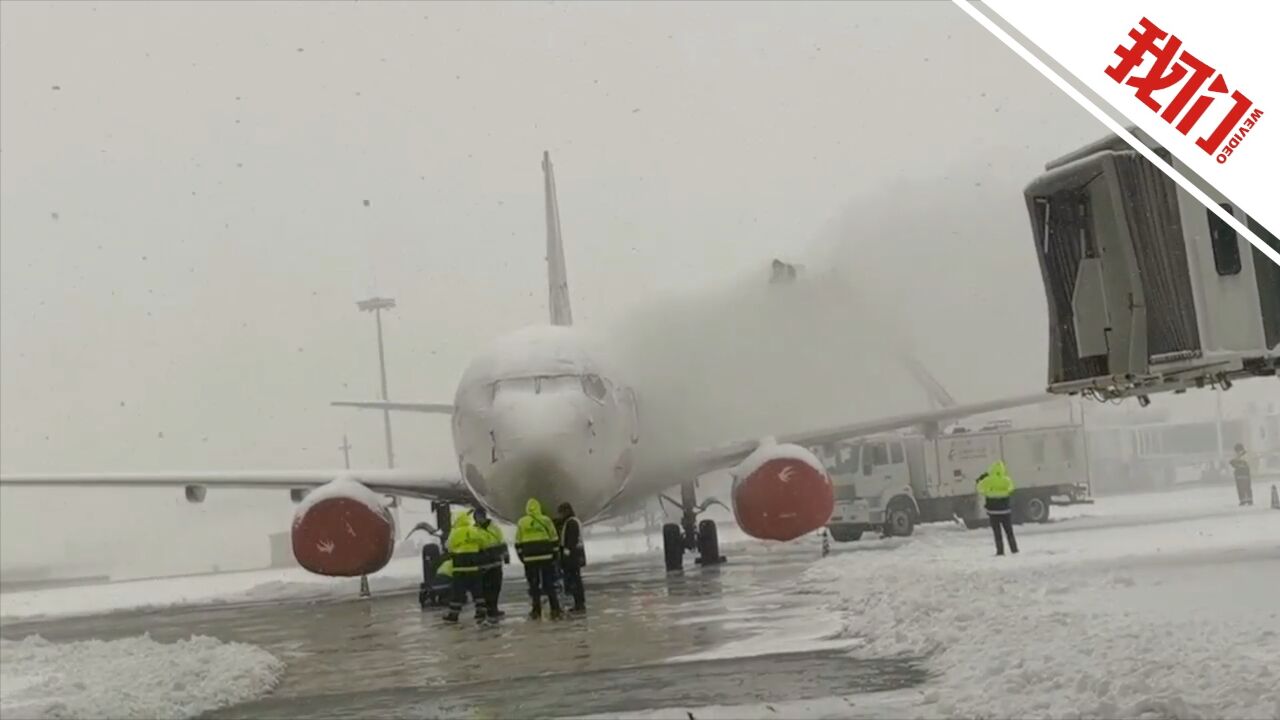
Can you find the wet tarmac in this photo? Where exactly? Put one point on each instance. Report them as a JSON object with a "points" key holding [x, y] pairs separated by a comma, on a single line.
{"points": [[386, 657]]}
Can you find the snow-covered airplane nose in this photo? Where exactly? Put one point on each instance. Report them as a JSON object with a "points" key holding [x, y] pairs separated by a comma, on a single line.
{"points": [[541, 448]]}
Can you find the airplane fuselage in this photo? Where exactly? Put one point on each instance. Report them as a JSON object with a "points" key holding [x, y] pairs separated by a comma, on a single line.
{"points": [[536, 415]]}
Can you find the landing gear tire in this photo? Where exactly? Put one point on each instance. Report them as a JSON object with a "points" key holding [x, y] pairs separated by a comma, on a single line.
{"points": [[1035, 509], [843, 534], [899, 520], [708, 544], [673, 546]]}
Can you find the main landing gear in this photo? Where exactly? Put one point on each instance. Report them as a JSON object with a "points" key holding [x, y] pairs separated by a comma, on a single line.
{"points": [[690, 534]]}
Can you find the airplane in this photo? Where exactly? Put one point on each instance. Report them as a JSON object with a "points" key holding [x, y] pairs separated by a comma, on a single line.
{"points": [[538, 414]]}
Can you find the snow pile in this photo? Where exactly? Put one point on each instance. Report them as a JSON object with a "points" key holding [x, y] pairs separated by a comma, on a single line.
{"points": [[1065, 629], [1161, 607], [130, 678]]}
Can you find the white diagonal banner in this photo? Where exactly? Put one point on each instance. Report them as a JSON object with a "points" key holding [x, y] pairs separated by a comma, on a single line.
{"points": [[1196, 77]]}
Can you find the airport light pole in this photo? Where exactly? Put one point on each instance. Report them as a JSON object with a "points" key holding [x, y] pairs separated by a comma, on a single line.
{"points": [[345, 447], [376, 305]]}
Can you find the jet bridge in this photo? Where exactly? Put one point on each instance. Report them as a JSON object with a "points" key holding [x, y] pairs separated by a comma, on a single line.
{"points": [[1148, 291]]}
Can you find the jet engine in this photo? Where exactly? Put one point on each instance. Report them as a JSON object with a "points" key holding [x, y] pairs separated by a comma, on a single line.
{"points": [[781, 492], [343, 529]]}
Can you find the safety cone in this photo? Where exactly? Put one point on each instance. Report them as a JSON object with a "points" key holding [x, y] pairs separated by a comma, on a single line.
{"points": [[1275, 498]]}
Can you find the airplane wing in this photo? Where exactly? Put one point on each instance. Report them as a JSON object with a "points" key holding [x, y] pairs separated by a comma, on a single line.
{"points": [[405, 483], [733, 453], [434, 408]]}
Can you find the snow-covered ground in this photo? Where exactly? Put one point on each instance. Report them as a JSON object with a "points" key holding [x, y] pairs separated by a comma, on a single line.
{"points": [[1163, 605], [1151, 606], [129, 678], [257, 585]]}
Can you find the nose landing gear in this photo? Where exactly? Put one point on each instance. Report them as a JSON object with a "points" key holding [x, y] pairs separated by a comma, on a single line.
{"points": [[690, 534]]}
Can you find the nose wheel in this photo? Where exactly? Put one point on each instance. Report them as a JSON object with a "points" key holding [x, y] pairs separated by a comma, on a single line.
{"points": [[690, 534]]}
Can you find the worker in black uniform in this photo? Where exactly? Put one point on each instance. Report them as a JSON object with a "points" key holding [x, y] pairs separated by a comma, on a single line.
{"points": [[1244, 479], [493, 555], [573, 556]]}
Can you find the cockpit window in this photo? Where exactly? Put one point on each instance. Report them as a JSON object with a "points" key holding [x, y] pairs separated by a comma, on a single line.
{"points": [[594, 387], [557, 383], [517, 384]]}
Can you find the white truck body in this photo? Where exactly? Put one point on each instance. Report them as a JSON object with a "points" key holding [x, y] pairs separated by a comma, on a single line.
{"points": [[891, 482]]}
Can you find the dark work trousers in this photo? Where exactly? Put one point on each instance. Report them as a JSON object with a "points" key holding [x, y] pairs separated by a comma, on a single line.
{"points": [[573, 583], [1244, 489], [491, 589], [541, 575], [1003, 520], [466, 583]]}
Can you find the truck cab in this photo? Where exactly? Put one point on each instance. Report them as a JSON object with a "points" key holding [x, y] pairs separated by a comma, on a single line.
{"points": [[868, 475]]}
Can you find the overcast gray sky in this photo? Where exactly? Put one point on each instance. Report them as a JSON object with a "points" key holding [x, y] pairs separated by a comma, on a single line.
{"points": [[184, 228]]}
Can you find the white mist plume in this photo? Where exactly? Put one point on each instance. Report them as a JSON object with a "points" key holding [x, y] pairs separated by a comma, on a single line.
{"points": [[905, 271]]}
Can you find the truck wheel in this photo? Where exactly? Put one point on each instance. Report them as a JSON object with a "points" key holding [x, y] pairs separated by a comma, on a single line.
{"points": [[673, 546], [845, 534], [1035, 509], [900, 519]]}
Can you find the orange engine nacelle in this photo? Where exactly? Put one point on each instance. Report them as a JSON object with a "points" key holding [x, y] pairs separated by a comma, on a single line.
{"points": [[782, 492], [342, 529]]}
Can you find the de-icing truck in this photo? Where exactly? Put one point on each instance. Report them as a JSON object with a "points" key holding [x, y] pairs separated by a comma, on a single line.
{"points": [[891, 482]]}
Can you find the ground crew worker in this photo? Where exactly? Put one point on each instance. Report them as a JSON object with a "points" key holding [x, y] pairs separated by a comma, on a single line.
{"points": [[537, 543], [572, 557], [996, 488], [493, 554], [1244, 479], [464, 546]]}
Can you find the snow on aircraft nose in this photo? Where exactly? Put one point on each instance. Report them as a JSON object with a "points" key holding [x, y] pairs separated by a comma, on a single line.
{"points": [[541, 448]]}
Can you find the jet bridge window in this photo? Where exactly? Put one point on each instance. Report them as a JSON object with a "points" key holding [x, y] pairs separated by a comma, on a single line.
{"points": [[1226, 244]]}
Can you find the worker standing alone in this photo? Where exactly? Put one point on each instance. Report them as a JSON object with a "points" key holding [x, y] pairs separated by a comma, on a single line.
{"points": [[573, 557], [464, 546], [1244, 479], [536, 544], [493, 555], [996, 488]]}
